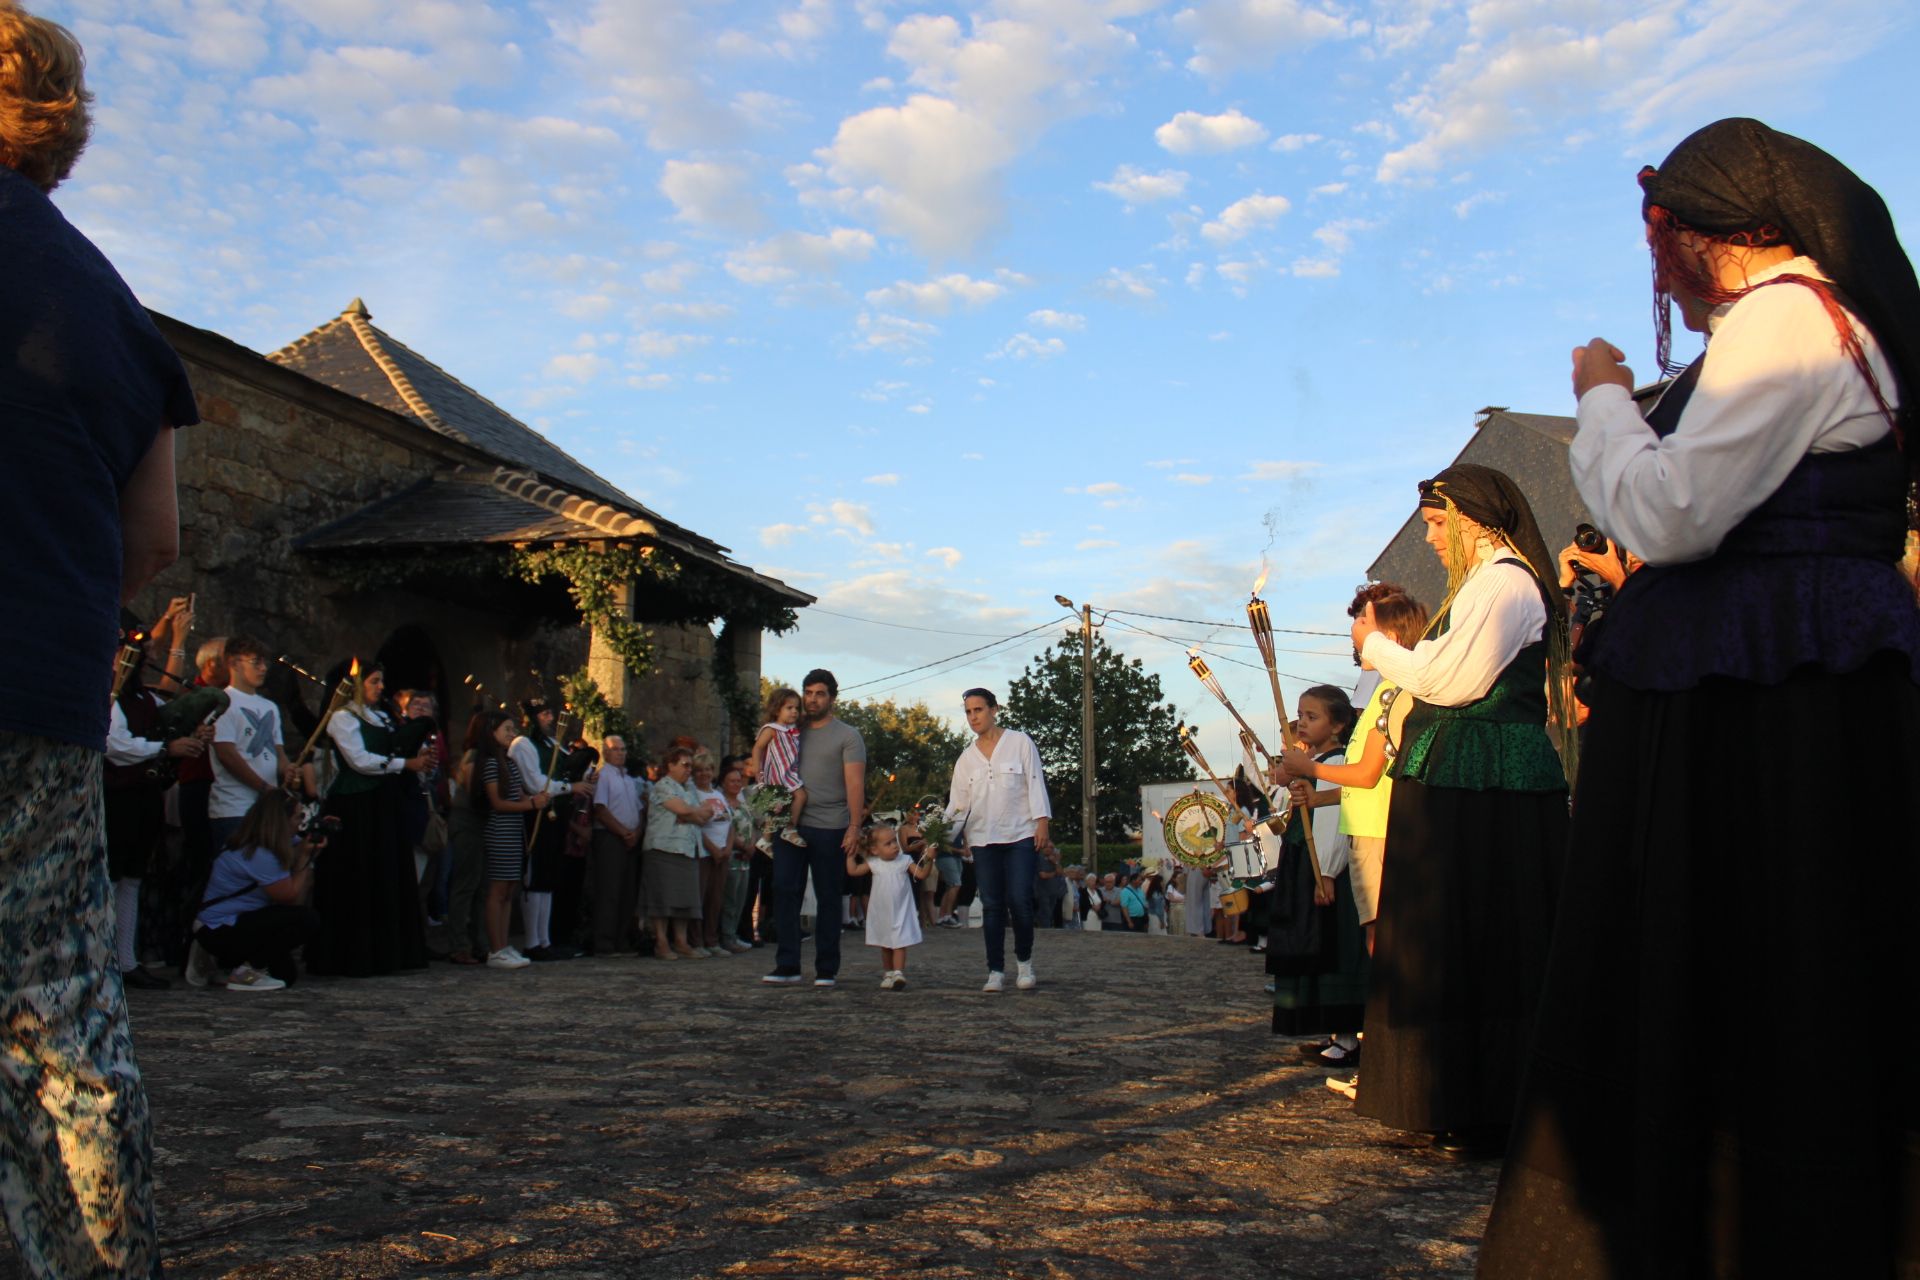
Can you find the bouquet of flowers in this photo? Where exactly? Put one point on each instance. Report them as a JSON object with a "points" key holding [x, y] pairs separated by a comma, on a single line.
{"points": [[765, 805], [935, 827]]}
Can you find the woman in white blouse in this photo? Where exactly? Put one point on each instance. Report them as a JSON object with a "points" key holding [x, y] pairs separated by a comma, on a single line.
{"points": [[999, 798]]}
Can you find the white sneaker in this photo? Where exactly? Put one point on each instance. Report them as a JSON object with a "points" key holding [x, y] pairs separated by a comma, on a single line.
{"points": [[1026, 981], [890, 981], [507, 958], [899, 980], [1348, 1089], [996, 982], [247, 978], [201, 967]]}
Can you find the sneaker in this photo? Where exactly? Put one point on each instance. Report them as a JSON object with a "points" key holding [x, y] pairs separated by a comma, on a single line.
{"points": [[201, 968], [793, 837], [507, 958], [1348, 1088], [783, 978], [1026, 981], [247, 978], [996, 982], [825, 982], [735, 946], [889, 981], [899, 980]]}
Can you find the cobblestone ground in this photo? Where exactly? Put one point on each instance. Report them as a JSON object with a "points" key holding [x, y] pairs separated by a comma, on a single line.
{"points": [[625, 1117]]}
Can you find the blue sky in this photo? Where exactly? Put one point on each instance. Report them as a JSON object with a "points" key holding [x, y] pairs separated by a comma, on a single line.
{"points": [[937, 311]]}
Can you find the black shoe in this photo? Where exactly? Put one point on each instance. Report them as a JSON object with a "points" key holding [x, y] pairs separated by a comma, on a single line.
{"points": [[540, 953], [145, 981], [562, 951], [1453, 1144], [1332, 1056]]}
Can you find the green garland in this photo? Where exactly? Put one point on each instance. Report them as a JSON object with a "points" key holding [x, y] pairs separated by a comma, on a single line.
{"points": [[594, 578], [599, 719], [741, 706]]}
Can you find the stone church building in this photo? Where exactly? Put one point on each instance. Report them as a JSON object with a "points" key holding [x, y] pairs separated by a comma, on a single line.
{"points": [[346, 496]]}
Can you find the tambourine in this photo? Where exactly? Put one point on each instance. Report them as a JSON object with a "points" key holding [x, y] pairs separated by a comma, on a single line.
{"points": [[1395, 703]]}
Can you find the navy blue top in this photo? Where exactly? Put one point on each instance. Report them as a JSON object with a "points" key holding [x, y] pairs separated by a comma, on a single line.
{"points": [[86, 381]]}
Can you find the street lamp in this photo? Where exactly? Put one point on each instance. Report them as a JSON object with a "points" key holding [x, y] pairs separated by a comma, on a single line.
{"points": [[1090, 848]]}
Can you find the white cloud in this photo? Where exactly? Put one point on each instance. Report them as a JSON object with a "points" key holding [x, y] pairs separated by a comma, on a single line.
{"points": [[887, 478], [1094, 544], [1188, 477], [696, 312], [1244, 216], [1329, 188], [1136, 186], [1191, 133], [1136, 285], [949, 556], [652, 344], [851, 515], [937, 297], [1021, 346], [1315, 268], [1337, 235], [779, 535], [1102, 489], [882, 331], [583, 367], [792, 254], [1240, 35], [708, 193], [1474, 201], [1050, 319], [1035, 538], [1294, 141], [1260, 472]]}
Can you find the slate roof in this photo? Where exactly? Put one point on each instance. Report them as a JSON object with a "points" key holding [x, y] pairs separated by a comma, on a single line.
{"points": [[350, 354], [470, 505], [540, 493]]}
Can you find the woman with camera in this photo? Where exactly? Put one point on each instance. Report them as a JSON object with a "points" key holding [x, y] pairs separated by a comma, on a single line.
{"points": [[1743, 850], [253, 915]]}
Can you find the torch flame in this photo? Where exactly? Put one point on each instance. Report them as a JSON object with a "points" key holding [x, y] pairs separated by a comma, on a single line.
{"points": [[354, 670], [1260, 581], [1193, 652]]}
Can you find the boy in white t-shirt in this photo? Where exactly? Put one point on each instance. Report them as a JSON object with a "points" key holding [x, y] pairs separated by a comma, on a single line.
{"points": [[248, 755]]}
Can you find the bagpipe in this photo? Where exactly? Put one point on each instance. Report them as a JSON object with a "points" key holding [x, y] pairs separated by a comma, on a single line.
{"points": [[177, 717]]}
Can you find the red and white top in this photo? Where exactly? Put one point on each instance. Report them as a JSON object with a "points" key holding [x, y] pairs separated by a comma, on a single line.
{"points": [[781, 768]]}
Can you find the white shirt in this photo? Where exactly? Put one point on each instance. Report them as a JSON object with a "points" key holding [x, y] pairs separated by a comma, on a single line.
{"points": [[1776, 385], [533, 775], [720, 830], [999, 799], [251, 725], [122, 746], [615, 790], [344, 729], [1331, 847], [1497, 613]]}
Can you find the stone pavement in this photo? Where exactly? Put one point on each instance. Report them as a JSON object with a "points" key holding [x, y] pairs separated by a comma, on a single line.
{"points": [[625, 1117]]}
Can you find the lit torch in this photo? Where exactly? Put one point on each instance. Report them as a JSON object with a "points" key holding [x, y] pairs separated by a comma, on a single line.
{"points": [[1262, 625], [1200, 668], [342, 693], [1192, 747]]}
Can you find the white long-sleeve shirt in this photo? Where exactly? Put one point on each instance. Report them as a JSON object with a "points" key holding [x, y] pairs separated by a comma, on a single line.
{"points": [[999, 799], [1776, 385], [1329, 844], [344, 729], [122, 746], [533, 774], [1497, 613]]}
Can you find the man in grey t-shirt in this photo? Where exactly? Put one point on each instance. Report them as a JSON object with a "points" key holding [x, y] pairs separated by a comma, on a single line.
{"points": [[833, 766]]}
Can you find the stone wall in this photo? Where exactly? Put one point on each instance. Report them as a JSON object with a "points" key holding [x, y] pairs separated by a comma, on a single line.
{"points": [[279, 455]]}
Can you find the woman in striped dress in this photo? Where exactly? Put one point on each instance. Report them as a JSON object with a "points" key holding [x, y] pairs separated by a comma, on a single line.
{"points": [[499, 795]]}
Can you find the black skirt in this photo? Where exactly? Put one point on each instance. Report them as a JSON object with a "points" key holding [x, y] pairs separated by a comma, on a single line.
{"points": [[1725, 1076], [549, 846], [1467, 896], [365, 890]]}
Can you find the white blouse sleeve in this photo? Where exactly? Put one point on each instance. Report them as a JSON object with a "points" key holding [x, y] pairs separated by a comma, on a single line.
{"points": [[1038, 805], [1776, 384], [960, 793], [525, 758], [1497, 613], [344, 729], [122, 746], [1334, 849]]}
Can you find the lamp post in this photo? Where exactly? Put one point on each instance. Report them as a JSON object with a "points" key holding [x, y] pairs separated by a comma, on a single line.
{"points": [[1089, 842]]}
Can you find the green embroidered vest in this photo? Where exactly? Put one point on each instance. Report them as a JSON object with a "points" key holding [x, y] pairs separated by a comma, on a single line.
{"points": [[1496, 743], [377, 738]]}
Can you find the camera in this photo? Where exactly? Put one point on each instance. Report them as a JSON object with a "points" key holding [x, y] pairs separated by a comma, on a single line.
{"points": [[1590, 540], [317, 827]]}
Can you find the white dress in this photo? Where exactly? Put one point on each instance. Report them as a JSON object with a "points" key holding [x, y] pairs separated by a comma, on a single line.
{"points": [[892, 919]]}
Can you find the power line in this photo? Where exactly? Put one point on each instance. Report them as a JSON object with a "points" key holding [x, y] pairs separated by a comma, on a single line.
{"points": [[912, 680], [1202, 622], [903, 626], [1251, 666], [956, 656]]}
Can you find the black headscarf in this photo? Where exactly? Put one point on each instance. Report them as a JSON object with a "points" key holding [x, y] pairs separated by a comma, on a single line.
{"points": [[1738, 177]]}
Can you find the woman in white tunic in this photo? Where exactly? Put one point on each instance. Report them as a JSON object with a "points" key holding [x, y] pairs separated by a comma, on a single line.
{"points": [[1000, 795]]}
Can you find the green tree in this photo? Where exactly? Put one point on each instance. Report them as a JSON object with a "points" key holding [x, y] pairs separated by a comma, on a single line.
{"points": [[1133, 733], [911, 743]]}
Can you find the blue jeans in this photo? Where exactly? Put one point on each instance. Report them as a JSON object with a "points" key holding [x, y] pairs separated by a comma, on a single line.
{"points": [[1006, 874], [827, 862]]}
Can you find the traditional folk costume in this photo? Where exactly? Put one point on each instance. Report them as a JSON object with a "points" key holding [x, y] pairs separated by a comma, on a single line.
{"points": [[544, 830], [365, 887], [1316, 954], [1476, 832], [135, 782], [1724, 1079]]}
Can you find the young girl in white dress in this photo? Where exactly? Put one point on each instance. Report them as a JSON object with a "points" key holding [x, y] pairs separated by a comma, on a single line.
{"points": [[893, 924]]}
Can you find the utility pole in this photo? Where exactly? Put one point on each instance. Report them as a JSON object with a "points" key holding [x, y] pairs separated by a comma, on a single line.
{"points": [[1090, 842]]}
